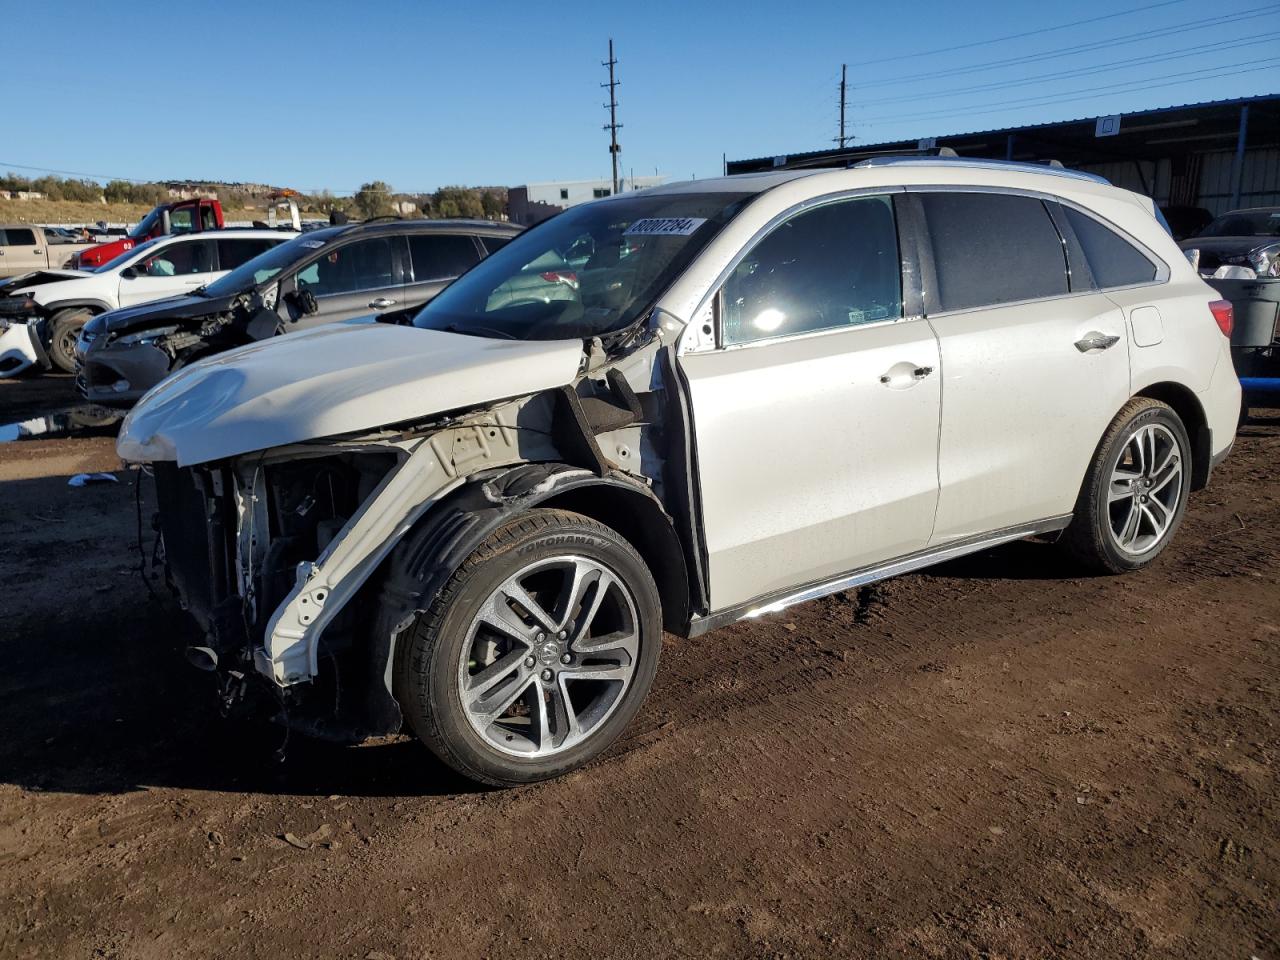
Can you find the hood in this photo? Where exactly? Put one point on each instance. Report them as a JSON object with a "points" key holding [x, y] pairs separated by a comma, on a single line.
{"points": [[40, 277], [1222, 247], [337, 378], [157, 313]]}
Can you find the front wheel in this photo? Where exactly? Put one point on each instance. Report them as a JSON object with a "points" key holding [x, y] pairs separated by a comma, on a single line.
{"points": [[64, 327], [1135, 493], [536, 653]]}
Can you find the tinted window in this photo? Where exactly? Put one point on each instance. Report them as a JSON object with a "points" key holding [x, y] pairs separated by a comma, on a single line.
{"points": [[178, 259], [180, 220], [834, 266], [437, 256], [20, 238], [207, 220], [494, 244], [991, 248], [1114, 261], [365, 265], [232, 253]]}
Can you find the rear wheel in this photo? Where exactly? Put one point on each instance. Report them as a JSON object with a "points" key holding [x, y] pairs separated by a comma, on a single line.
{"points": [[64, 330], [1135, 493], [537, 652]]}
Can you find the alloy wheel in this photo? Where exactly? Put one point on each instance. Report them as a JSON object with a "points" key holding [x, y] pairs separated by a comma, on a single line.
{"points": [[1145, 489]]}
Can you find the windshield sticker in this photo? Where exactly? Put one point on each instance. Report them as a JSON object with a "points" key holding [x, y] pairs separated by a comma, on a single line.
{"points": [[664, 227], [313, 244]]}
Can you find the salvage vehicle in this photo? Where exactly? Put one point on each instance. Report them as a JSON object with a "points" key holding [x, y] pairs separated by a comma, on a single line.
{"points": [[166, 219], [25, 247], [21, 348], [1238, 254], [59, 302], [387, 267], [765, 389]]}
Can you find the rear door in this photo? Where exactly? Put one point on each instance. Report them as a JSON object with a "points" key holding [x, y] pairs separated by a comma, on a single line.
{"points": [[1035, 362], [234, 251], [816, 415], [356, 279], [170, 270], [23, 251], [435, 260]]}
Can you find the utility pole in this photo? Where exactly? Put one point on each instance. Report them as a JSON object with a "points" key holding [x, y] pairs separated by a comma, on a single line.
{"points": [[613, 126], [844, 67]]}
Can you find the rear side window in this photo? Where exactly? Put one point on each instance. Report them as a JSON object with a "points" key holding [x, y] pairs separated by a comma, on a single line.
{"points": [[1113, 260], [992, 248], [19, 238], [494, 244], [833, 266], [207, 220], [232, 253], [438, 256]]}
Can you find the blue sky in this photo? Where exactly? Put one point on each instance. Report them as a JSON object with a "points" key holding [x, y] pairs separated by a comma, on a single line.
{"points": [[331, 94]]}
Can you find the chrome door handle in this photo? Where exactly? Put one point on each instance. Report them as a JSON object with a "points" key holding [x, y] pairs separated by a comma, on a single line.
{"points": [[1096, 341], [381, 303]]}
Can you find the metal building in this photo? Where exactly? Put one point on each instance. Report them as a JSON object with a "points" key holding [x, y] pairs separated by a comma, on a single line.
{"points": [[1218, 155], [532, 203]]}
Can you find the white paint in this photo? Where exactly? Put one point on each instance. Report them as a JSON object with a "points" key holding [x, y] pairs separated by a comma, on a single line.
{"points": [[1147, 326]]}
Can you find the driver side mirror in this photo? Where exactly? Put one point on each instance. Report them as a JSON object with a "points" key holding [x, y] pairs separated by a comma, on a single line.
{"points": [[129, 273]]}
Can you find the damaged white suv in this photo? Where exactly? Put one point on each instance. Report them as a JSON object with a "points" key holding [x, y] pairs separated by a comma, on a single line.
{"points": [[673, 409]]}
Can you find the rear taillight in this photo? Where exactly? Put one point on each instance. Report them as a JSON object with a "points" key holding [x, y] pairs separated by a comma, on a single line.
{"points": [[1224, 314]]}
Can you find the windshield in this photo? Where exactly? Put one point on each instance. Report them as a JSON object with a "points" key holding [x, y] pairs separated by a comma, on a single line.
{"points": [[147, 224], [591, 270], [1245, 223], [264, 266], [121, 259]]}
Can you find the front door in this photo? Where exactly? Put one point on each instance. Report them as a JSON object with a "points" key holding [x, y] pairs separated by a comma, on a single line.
{"points": [[355, 280], [816, 416], [172, 270]]}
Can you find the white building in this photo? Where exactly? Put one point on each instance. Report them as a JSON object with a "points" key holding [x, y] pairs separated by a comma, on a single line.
{"points": [[535, 202]]}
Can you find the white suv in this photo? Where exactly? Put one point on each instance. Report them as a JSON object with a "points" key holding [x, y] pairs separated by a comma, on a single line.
{"points": [[726, 397], [170, 266]]}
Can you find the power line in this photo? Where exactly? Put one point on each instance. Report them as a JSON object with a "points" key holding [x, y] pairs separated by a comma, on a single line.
{"points": [[1020, 36], [1088, 94], [1179, 54], [1072, 50]]}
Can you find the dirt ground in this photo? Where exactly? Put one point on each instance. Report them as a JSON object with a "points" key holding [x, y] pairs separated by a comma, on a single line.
{"points": [[997, 758]]}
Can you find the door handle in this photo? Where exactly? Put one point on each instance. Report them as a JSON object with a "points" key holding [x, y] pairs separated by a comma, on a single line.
{"points": [[1096, 341], [381, 303]]}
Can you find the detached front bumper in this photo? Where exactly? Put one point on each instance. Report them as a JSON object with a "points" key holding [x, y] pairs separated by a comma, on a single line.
{"points": [[21, 348], [118, 374]]}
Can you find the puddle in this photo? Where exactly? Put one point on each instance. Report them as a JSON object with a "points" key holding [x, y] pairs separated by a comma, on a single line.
{"points": [[82, 421]]}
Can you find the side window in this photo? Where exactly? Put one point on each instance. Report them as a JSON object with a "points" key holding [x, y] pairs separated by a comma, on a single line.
{"points": [[179, 259], [364, 265], [494, 244], [232, 253], [207, 220], [1113, 260], [992, 248], [834, 266], [440, 256], [16, 237], [180, 220]]}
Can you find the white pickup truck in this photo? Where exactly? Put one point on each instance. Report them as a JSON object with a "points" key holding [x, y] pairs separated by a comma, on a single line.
{"points": [[25, 248]]}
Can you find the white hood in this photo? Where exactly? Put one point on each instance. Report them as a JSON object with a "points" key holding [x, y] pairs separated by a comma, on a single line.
{"points": [[334, 379], [45, 284]]}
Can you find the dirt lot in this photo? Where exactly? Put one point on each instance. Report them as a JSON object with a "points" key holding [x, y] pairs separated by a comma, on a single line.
{"points": [[995, 759]]}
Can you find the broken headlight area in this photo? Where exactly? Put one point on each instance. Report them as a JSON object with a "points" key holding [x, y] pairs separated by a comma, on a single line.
{"points": [[234, 535], [19, 307]]}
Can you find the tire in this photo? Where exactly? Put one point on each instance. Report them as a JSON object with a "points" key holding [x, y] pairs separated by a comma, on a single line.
{"points": [[505, 711], [1135, 492], [64, 329]]}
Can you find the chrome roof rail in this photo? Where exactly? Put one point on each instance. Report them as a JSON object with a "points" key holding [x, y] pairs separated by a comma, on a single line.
{"points": [[975, 163]]}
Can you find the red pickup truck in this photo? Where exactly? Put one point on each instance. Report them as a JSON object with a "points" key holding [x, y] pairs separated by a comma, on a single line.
{"points": [[181, 216]]}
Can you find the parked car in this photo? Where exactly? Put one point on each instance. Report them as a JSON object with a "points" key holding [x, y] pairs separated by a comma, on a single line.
{"points": [[25, 247], [1238, 254], [775, 387], [385, 267], [1186, 222], [60, 302], [166, 219]]}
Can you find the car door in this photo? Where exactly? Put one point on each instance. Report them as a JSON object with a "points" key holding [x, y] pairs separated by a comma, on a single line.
{"points": [[169, 270], [435, 261], [816, 415], [356, 279], [1035, 362], [23, 251]]}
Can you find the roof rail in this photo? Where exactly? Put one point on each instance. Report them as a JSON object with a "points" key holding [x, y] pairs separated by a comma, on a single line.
{"points": [[1051, 167]]}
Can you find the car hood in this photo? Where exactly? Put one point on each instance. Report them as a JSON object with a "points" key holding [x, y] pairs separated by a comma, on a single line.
{"points": [[1225, 246], [337, 378], [157, 313], [39, 278]]}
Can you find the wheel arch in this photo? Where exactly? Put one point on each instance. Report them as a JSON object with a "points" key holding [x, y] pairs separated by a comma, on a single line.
{"points": [[94, 306], [1189, 409]]}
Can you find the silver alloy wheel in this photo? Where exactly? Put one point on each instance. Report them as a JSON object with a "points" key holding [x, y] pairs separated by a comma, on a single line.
{"points": [[1145, 489], [549, 656]]}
